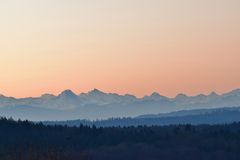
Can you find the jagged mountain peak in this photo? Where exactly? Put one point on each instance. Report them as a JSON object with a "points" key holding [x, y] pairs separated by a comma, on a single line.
{"points": [[235, 92], [155, 94], [96, 92], [130, 95], [213, 94], [47, 95], [181, 95], [67, 93]]}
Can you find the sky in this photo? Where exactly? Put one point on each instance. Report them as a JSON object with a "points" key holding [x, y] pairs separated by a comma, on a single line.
{"points": [[122, 46]]}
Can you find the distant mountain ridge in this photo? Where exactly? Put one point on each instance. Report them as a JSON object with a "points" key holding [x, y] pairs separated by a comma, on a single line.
{"points": [[97, 104], [195, 117]]}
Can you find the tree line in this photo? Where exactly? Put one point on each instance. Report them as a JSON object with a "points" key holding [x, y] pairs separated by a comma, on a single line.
{"points": [[25, 140]]}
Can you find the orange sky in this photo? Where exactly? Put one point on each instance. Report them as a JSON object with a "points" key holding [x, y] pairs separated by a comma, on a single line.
{"points": [[127, 46]]}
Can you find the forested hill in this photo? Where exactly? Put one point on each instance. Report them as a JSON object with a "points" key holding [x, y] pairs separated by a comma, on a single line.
{"points": [[28, 141]]}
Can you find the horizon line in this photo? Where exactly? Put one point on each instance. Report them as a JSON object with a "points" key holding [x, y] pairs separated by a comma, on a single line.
{"points": [[139, 97]]}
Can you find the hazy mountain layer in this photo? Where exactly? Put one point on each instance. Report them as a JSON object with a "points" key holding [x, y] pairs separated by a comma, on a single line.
{"points": [[194, 117], [99, 105]]}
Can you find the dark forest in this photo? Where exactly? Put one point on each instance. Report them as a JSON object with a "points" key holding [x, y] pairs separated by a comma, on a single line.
{"points": [[25, 140]]}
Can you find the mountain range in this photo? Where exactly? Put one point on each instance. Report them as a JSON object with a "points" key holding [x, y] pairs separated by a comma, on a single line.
{"points": [[96, 104]]}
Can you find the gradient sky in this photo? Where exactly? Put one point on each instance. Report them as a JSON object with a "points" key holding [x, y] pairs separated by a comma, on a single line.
{"points": [[123, 46]]}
